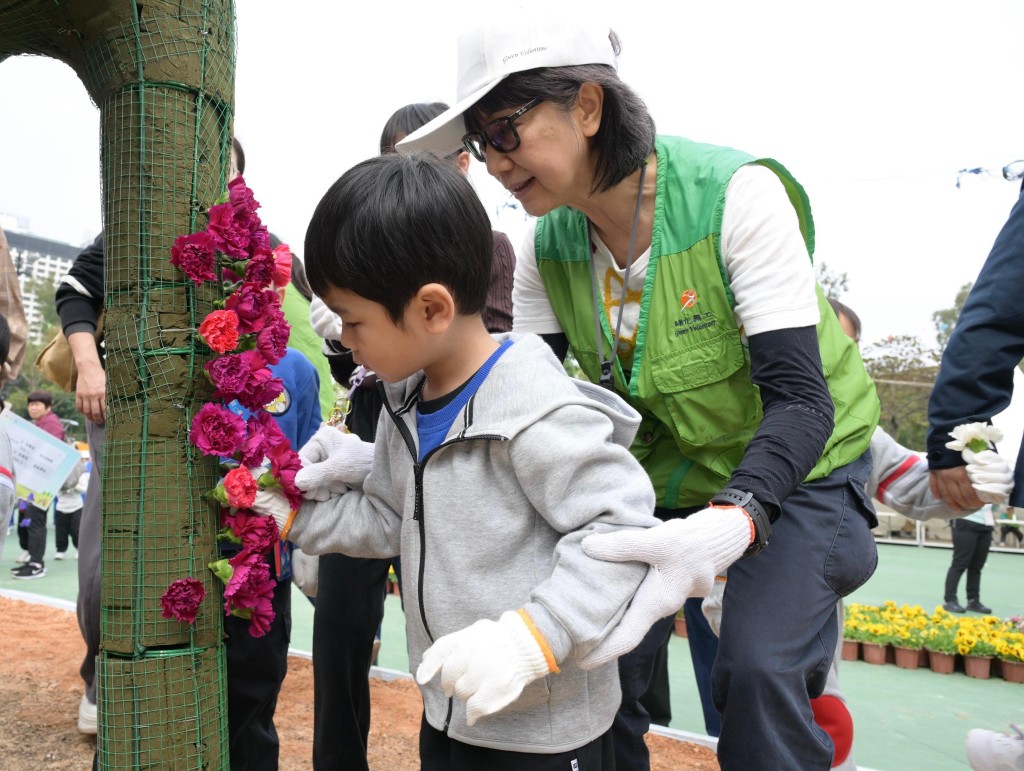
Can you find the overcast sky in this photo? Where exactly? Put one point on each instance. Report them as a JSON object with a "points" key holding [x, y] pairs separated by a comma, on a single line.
{"points": [[873, 105]]}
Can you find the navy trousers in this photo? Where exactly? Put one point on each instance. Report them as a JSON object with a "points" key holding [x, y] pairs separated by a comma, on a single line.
{"points": [[780, 628]]}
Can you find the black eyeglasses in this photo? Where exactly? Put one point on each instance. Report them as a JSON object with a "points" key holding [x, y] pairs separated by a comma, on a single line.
{"points": [[500, 134]]}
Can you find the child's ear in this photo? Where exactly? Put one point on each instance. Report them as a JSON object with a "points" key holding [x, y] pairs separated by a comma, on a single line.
{"points": [[435, 308]]}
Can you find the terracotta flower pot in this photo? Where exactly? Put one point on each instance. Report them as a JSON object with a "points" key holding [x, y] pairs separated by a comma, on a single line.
{"points": [[680, 627], [851, 650], [978, 666], [1013, 671], [907, 658], [874, 653], [941, 662]]}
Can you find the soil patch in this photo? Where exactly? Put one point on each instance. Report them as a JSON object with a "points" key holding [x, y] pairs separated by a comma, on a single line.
{"points": [[40, 689]]}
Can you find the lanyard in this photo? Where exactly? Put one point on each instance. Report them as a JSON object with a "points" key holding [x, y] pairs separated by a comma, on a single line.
{"points": [[606, 362]]}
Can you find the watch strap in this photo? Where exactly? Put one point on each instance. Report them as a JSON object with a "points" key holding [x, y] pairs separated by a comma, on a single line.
{"points": [[746, 501]]}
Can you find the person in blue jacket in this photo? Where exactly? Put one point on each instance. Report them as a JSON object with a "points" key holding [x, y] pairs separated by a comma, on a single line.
{"points": [[975, 380]]}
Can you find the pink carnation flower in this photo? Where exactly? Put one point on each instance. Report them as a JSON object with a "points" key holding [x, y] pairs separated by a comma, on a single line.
{"points": [[216, 430], [262, 433], [182, 599], [260, 390], [231, 229], [220, 330], [195, 255], [251, 588], [259, 240], [259, 269], [258, 534], [282, 265], [252, 303], [284, 465], [272, 340], [262, 615], [240, 488], [240, 196], [230, 373]]}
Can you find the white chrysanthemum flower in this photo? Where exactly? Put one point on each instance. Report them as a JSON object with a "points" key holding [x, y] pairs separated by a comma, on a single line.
{"points": [[974, 436]]}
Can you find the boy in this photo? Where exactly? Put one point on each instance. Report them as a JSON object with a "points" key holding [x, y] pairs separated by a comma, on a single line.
{"points": [[490, 466]]}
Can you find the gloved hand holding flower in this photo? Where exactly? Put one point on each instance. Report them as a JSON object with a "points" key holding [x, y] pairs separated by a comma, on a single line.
{"points": [[272, 503], [990, 475], [333, 461]]}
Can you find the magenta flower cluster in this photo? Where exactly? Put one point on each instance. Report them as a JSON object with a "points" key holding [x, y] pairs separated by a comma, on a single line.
{"points": [[249, 333]]}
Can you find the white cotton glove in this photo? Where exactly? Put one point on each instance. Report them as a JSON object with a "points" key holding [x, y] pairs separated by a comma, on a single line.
{"points": [[333, 461], [990, 475], [487, 664], [711, 607], [305, 571], [685, 555], [324, 321], [272, 503]]}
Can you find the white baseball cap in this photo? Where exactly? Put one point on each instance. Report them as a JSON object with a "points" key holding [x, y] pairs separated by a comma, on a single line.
{"points": [[490, 54]]}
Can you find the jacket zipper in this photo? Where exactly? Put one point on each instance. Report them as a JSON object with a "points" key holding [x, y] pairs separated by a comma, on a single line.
{"points": [[418, 511]]}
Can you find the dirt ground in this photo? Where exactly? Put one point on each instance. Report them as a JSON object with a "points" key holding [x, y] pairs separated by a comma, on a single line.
{"points": [[40, 651]]}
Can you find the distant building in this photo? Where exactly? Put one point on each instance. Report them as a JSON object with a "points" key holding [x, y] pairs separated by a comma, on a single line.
{"points": [[42, 260]]}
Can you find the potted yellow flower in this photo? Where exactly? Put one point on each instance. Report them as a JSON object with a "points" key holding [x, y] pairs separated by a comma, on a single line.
{"points": [[939, 640], [973, 641], [874, 635], [1009, 647], [906, 626]]}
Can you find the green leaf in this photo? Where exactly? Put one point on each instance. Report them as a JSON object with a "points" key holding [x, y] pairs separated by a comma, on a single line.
{"points": [[222, 569], [228, 535]]}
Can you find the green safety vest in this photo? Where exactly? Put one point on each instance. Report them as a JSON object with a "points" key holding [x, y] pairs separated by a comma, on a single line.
{"points": [[690, 378]]}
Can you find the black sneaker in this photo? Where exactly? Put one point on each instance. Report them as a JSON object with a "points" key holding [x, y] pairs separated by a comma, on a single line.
{"points": [[29, 571], [953, 606], [977, 607]]}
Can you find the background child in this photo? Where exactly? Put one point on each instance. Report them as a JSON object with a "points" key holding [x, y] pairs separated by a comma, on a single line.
{"points": [[490, 466], [32, 535], [67, 516]]}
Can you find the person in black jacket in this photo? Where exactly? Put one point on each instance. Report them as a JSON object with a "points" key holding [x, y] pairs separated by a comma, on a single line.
{"points": [[975, 382], [79, 304], [975, 378]]}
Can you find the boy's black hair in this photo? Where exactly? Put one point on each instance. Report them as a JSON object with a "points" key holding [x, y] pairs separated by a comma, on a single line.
{"points": [[406, 120], [626, 135], [394, 223]]}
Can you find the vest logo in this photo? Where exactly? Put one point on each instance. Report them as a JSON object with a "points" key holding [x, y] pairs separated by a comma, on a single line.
{"points": [[688, 299], [694, 322]]}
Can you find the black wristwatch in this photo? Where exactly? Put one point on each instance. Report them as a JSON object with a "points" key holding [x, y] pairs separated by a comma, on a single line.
{"points": [[747, 502]]}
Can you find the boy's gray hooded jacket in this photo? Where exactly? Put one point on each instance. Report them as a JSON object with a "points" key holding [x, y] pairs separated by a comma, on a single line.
{"points": [[492, 521]]}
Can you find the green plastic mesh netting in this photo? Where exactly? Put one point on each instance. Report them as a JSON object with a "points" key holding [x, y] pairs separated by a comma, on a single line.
{"points": [[162, 75]]}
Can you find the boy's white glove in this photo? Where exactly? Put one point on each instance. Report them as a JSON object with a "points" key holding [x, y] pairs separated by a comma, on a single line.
{"points": [[324, 321], [272, 503], [711, 607], [990, 475], [487, 664], [305, 571], [333, 461], [684, 556]]}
